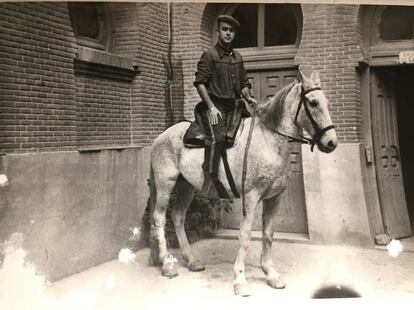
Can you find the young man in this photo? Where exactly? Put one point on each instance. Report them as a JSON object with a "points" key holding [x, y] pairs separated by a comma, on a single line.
{"points": [[220, 80]]}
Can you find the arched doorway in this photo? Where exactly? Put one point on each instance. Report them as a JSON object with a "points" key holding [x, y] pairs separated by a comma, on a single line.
{"points": [[268, 41], [388, 43]]}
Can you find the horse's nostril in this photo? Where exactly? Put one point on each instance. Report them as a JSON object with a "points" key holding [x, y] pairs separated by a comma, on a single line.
{"points": [[331, 144]]}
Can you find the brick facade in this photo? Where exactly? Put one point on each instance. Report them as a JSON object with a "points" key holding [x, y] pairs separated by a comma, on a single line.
{"points": [[37, 49], [330, 44], [47, 104]]}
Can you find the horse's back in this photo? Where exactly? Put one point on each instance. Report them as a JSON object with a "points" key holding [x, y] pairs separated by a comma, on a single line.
{"points": [[172, 135]]}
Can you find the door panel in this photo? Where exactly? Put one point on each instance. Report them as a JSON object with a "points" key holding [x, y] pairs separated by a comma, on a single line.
{"points": [[291, 216], [254, 79], [387, 157]]}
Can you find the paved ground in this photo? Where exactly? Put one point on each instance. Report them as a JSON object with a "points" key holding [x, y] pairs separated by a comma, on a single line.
{"points": [[371, 272]]}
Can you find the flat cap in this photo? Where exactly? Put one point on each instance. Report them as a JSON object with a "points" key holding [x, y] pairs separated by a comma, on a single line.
{"points": [[228, 19]]}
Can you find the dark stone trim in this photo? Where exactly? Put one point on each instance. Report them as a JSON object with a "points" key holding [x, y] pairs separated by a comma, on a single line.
{"points": [[86, 149]]}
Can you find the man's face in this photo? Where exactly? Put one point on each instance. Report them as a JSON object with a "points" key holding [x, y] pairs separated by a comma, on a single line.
{"points": [[226, 32]]}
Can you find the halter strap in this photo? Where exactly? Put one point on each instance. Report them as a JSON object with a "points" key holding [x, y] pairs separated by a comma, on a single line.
{"points": [[318, 131]]}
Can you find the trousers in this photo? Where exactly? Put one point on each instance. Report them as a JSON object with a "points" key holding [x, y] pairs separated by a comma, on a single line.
{"points": [[216, 144]]}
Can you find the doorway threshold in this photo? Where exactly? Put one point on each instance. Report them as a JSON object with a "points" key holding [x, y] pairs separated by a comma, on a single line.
{"points": [[257, 235]]}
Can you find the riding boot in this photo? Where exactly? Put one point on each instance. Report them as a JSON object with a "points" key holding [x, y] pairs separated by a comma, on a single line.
{"points": [[207, 154], [218, 148]]}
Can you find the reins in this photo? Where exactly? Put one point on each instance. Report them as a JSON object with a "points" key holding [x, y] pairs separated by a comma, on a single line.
{"points": [[301, 139], [246, 151]]}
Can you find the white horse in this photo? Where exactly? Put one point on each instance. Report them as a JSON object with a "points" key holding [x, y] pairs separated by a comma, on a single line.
{"points": [[300, 105]]}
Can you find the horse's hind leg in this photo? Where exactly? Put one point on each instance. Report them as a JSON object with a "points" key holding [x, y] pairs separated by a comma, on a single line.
{"points": [[184, 196], [273, 278], [165, 183]]}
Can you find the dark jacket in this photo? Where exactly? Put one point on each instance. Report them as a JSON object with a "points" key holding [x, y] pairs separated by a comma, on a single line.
{"points": [[223, 73]]}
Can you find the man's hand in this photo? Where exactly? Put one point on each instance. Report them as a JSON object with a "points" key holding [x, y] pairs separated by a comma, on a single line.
{"points": [[252, 102], [213, 114]]}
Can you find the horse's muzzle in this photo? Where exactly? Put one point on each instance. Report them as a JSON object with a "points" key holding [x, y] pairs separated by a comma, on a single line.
{"points": [[329, 146]]}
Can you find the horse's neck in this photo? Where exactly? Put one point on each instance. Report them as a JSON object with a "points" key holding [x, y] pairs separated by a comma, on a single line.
{"points": [[286, 124], [270, 139]]}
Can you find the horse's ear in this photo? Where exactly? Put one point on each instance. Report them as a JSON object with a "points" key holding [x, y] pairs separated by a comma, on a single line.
{"points": [[315, 79], [302, 77]]}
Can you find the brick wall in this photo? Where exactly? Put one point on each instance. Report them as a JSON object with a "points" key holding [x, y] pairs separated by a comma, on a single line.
{"points": [[330, 44], [104, 110], [131, 112], [36, 75], [149, 100], [191, 37], [46, 105]]}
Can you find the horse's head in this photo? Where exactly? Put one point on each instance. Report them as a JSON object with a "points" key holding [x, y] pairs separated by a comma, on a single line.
{"points": [[313, 115]]}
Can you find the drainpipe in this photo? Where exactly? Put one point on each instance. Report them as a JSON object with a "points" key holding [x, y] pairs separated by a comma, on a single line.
{"points": [[169, 65]]}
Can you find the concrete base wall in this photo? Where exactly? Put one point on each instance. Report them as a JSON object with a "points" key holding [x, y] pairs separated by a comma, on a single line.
{"points": [[335, 199], [75, 210]]}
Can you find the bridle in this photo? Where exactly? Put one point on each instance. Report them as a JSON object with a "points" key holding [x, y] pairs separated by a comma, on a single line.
{"points": [[319, 132]]}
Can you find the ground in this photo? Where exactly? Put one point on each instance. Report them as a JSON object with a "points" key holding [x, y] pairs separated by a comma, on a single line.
{"points": [[373, 273]]}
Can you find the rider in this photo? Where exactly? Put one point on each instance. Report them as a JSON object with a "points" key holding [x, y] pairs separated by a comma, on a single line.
{"points": [[221, 79]]}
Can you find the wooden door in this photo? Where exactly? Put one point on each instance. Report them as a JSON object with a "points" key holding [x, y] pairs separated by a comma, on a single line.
{"points": [[386, 152], [292, 212]]}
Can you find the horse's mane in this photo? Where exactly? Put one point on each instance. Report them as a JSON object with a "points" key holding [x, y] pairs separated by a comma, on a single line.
{"points": [[270, 111]]}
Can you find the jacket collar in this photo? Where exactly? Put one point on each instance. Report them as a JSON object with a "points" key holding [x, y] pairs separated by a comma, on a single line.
{"points": [[222, 52]]}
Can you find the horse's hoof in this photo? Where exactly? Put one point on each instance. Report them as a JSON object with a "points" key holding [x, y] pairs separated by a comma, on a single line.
{"points": [[242, 289], [169, 267], [169, 271], [276, 282], [196, 266]]}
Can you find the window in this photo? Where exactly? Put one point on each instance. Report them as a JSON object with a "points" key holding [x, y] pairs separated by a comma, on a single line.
{"points": [[280, 25], [397, 23], [90, 24], [265, 25], [247, 15]]}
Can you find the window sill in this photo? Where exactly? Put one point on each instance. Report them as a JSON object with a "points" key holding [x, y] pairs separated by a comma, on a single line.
{"points": [[103, 64], [104, 58]]}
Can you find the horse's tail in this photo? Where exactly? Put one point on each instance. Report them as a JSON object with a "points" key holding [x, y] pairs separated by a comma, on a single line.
{"points": [[154, 255], [153, 189]]}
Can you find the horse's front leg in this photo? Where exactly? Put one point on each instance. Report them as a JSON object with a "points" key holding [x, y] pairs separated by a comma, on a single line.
{"points": [[273, 278], [241, 287]]}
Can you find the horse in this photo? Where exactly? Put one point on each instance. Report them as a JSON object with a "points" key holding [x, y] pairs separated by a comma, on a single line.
{"points": [[299, 105]]}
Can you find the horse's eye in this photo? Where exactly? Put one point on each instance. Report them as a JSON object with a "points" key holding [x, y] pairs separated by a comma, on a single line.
{"points": [[313, 103]]}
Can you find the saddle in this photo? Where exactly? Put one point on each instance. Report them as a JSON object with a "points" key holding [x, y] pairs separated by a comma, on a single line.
{"points": [[197, 136]]}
